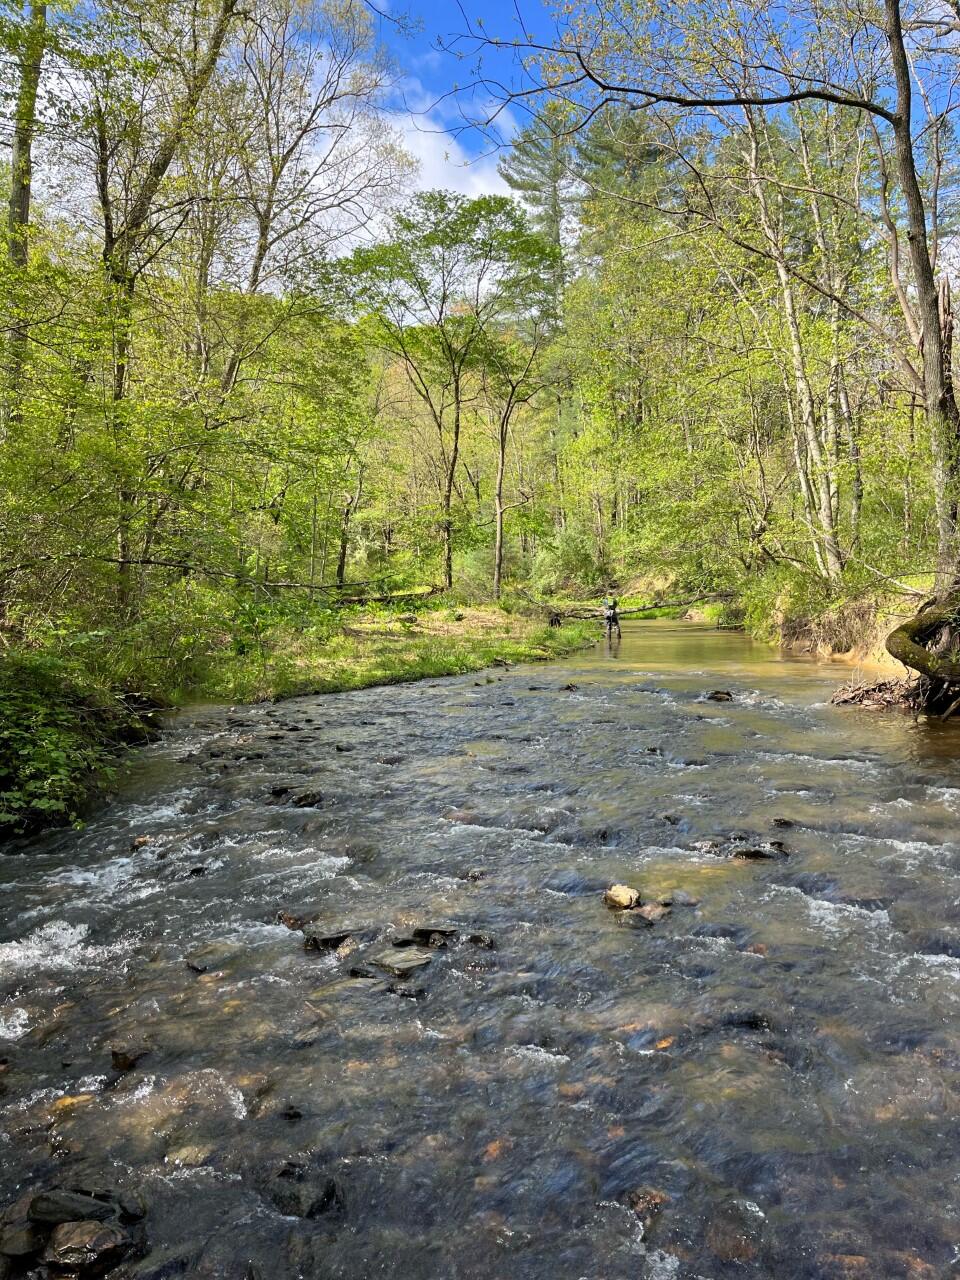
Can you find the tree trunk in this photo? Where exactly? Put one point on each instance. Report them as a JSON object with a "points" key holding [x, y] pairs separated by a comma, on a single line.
{"points": [[943, 416], [21, 175], [344, 542], [448, 490], [498, 508], [922, 641], [25, 114]]}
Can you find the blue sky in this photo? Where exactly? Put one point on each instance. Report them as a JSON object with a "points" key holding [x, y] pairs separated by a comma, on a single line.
{"points": [[429, 115]]}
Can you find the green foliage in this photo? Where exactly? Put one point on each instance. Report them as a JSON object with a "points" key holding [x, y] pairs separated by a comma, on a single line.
{"points": [[58, 733]]}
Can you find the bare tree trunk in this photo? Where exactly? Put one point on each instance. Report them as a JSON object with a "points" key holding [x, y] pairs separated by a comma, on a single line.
{"points": [[821, 482]]}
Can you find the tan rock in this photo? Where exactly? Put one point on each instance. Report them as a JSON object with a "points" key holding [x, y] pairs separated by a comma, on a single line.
{"points": [[620, 897]]}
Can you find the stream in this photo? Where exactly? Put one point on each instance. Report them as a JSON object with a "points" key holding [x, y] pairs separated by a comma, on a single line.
{"points": [[764, 1083]]}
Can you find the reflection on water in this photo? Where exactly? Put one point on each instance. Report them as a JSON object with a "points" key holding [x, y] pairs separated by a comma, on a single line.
{"points": [[761, 1085]]}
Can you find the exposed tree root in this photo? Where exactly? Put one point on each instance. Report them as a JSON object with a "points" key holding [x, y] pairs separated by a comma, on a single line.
{"points": [[928, 643]]}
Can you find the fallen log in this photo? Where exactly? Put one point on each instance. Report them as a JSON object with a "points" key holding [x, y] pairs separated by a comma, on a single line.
{"points": [[422, 593], [587, 611]]}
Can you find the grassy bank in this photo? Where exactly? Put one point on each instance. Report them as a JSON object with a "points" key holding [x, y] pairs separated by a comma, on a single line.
{"points": [[64, 719], [386, 648]]}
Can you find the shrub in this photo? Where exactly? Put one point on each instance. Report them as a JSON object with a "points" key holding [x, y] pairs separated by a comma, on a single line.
{"points": [[57, 734]]}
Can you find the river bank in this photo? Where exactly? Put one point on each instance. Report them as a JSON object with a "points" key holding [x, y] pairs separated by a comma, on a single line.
{"points": [[466, 1065], [64, 725]]}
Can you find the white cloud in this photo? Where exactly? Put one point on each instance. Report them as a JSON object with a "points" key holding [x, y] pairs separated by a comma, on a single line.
{"points": [[444, 161]]}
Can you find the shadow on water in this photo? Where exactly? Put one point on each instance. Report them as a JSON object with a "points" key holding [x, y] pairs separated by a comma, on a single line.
{"points": [[762, 1084]]}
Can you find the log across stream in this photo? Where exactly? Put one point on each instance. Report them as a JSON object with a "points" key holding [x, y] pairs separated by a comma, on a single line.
{"points": [[764, 1082]]}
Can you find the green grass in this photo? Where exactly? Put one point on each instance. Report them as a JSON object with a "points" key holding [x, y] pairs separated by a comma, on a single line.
{"points": [[432, 657], [377, 649]]}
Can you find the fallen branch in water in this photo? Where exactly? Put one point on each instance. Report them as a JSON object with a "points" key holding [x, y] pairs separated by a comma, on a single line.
{"points": [[879, 696]]}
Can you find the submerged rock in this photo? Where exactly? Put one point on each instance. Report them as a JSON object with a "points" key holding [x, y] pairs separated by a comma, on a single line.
{"points": [[299, 1192], [647, 1203], [734, 1232], [403, 963], [19, 1238], [309, 799], [679, 898], [332, 940], [768, 852], [87, 1247], [54, 1207], [408, 992], [485, 940], [125, 1058], [643, 917], [653, 912], [621, 897], [434, 935]]}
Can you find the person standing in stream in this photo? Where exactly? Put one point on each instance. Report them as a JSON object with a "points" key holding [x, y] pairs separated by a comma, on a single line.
{"points": [[611, 617]]}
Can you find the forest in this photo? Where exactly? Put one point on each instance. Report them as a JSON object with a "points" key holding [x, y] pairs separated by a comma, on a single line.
{"points": [[260, 387]]}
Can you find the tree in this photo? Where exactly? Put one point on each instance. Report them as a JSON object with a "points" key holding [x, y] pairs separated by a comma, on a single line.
{"points": [[539, 169], [451, 271]]}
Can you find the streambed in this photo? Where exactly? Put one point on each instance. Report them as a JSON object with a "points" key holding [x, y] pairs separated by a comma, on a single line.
{"points": [[763, 1084]]}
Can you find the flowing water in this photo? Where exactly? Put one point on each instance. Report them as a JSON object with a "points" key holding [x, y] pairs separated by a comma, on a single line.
{"points": [[761, 1085]]}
